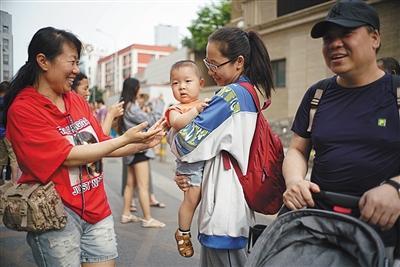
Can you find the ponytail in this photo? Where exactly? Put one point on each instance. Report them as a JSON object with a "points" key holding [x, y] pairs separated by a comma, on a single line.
{"points": [[259, 70], [24, 77]]}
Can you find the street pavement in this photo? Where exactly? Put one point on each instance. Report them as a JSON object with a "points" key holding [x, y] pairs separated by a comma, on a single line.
{"points": [[137, 246]]}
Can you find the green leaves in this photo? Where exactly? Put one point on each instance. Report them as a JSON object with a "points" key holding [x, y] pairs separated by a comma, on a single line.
{"points": [[209, 19]]}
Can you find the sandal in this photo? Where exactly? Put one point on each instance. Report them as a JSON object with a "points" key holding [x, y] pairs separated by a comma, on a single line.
{"points": [[129, 218], [152, 223], [158, 205], [185, 246], [133, 208]]}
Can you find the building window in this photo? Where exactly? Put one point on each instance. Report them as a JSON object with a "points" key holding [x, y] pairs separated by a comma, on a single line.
{"points": [[279, 72], [288, 6], [126, 73], [140, 70], [109, 67], [6, 43], [6, 75], [5, 29], [5, 59], [127, 60], [109, 80], [145, 58]]}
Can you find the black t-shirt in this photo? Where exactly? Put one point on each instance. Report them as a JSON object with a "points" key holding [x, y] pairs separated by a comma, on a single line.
{"points": [[355, 134]]}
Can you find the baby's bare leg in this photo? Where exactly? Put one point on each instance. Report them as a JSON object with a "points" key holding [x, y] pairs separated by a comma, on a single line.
{"points": [[188, 207]]}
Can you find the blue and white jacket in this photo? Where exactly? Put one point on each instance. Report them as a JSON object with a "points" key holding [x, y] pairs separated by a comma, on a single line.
{"points": [[228, 123]]}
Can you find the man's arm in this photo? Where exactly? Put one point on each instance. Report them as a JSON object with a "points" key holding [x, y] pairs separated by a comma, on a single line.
{"points": [[381, 205], [295, 165]]}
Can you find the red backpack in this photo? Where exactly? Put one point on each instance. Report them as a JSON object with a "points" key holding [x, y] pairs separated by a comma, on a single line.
{"points": [[263, 185]]}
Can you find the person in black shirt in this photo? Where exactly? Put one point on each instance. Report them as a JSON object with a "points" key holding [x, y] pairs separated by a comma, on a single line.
{"points": [[356, 128]]}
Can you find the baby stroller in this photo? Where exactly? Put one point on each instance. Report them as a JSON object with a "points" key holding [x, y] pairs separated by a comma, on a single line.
{"points": [[312, 237]]}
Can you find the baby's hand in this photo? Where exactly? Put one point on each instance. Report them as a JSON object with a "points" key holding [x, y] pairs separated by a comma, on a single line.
{"points": [[202, 105]]}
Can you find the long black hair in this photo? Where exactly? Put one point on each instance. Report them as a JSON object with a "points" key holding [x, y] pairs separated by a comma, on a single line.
{"points": [[234, 42], [48, 41], [130, 89]]}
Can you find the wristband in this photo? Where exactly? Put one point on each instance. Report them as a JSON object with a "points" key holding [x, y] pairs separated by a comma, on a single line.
{"points": [[393, 183]]}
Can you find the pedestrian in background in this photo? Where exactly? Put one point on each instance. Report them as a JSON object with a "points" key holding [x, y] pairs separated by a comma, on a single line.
{"points": [[389, 65], [81, 87], [138, 170], [186, 83], [7, 156], [145, 104], [45, 124], [356, 127], [227, 124]]}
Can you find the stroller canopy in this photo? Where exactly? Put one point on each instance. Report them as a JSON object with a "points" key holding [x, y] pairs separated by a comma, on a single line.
{"points": [[313, 237]]}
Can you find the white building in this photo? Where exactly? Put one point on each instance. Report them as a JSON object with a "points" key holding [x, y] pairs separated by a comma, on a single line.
{"points": [[6, 47], [130, 61], [88, 62]]}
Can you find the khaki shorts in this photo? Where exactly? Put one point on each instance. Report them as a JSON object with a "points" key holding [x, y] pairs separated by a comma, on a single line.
{"points": [[6, 152]]}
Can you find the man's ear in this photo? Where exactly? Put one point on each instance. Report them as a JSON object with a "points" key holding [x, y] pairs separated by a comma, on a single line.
{"points": [[376, 40], [42, 61]]}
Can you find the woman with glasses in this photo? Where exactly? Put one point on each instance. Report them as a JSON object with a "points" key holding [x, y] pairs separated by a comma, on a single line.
{"points": [[138, 170], [233, 57], [46, 125]]}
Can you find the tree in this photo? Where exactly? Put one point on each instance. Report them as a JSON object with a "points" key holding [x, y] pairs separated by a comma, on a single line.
{"points": [[209, 19], [95, 94]]}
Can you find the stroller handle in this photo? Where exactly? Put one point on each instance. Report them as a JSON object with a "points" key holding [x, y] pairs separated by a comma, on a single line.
{"points": [[343, 200]]}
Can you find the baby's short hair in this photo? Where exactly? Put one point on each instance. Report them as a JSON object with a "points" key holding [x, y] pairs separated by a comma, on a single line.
{"points": [[185, 63]]}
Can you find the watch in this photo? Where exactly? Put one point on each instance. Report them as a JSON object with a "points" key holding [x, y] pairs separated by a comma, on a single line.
{"points": [[393, 183]]}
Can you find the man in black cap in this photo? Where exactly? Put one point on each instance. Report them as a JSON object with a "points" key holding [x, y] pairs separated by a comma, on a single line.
{"points": [[355, 129]]}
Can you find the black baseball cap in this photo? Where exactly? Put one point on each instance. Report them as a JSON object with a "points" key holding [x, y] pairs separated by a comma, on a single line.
{"points": [[348, 14]]}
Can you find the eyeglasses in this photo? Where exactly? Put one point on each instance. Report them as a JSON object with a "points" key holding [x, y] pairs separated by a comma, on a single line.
{"points": [[214, 67]]}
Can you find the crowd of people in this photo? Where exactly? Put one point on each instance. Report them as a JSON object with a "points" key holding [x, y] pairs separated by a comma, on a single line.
{"points": [[355, 133]]}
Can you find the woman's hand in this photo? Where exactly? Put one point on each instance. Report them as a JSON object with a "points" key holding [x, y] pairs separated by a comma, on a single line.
{"points": [[137, 135], [182, 182], [380, 206], [298, 194], [161, 124], [116, 110], [159, 127]]}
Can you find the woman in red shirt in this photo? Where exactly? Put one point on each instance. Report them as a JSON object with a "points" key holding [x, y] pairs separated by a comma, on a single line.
{"points": [[56, 137]]}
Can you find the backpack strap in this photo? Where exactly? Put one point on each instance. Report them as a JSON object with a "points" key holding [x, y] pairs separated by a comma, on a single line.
{"points": [[321, 86], [254, 95], [396, 89], [227, 158]]}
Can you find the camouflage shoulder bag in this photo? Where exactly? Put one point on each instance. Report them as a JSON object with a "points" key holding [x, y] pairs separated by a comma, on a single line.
{"points": [[31, 207]]}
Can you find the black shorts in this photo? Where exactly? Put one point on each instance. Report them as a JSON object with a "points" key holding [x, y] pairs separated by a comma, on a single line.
{"points": [[139, 157]]}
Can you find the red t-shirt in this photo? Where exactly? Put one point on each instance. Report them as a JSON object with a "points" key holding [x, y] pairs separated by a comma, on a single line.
{"points": [[42, 138]]}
